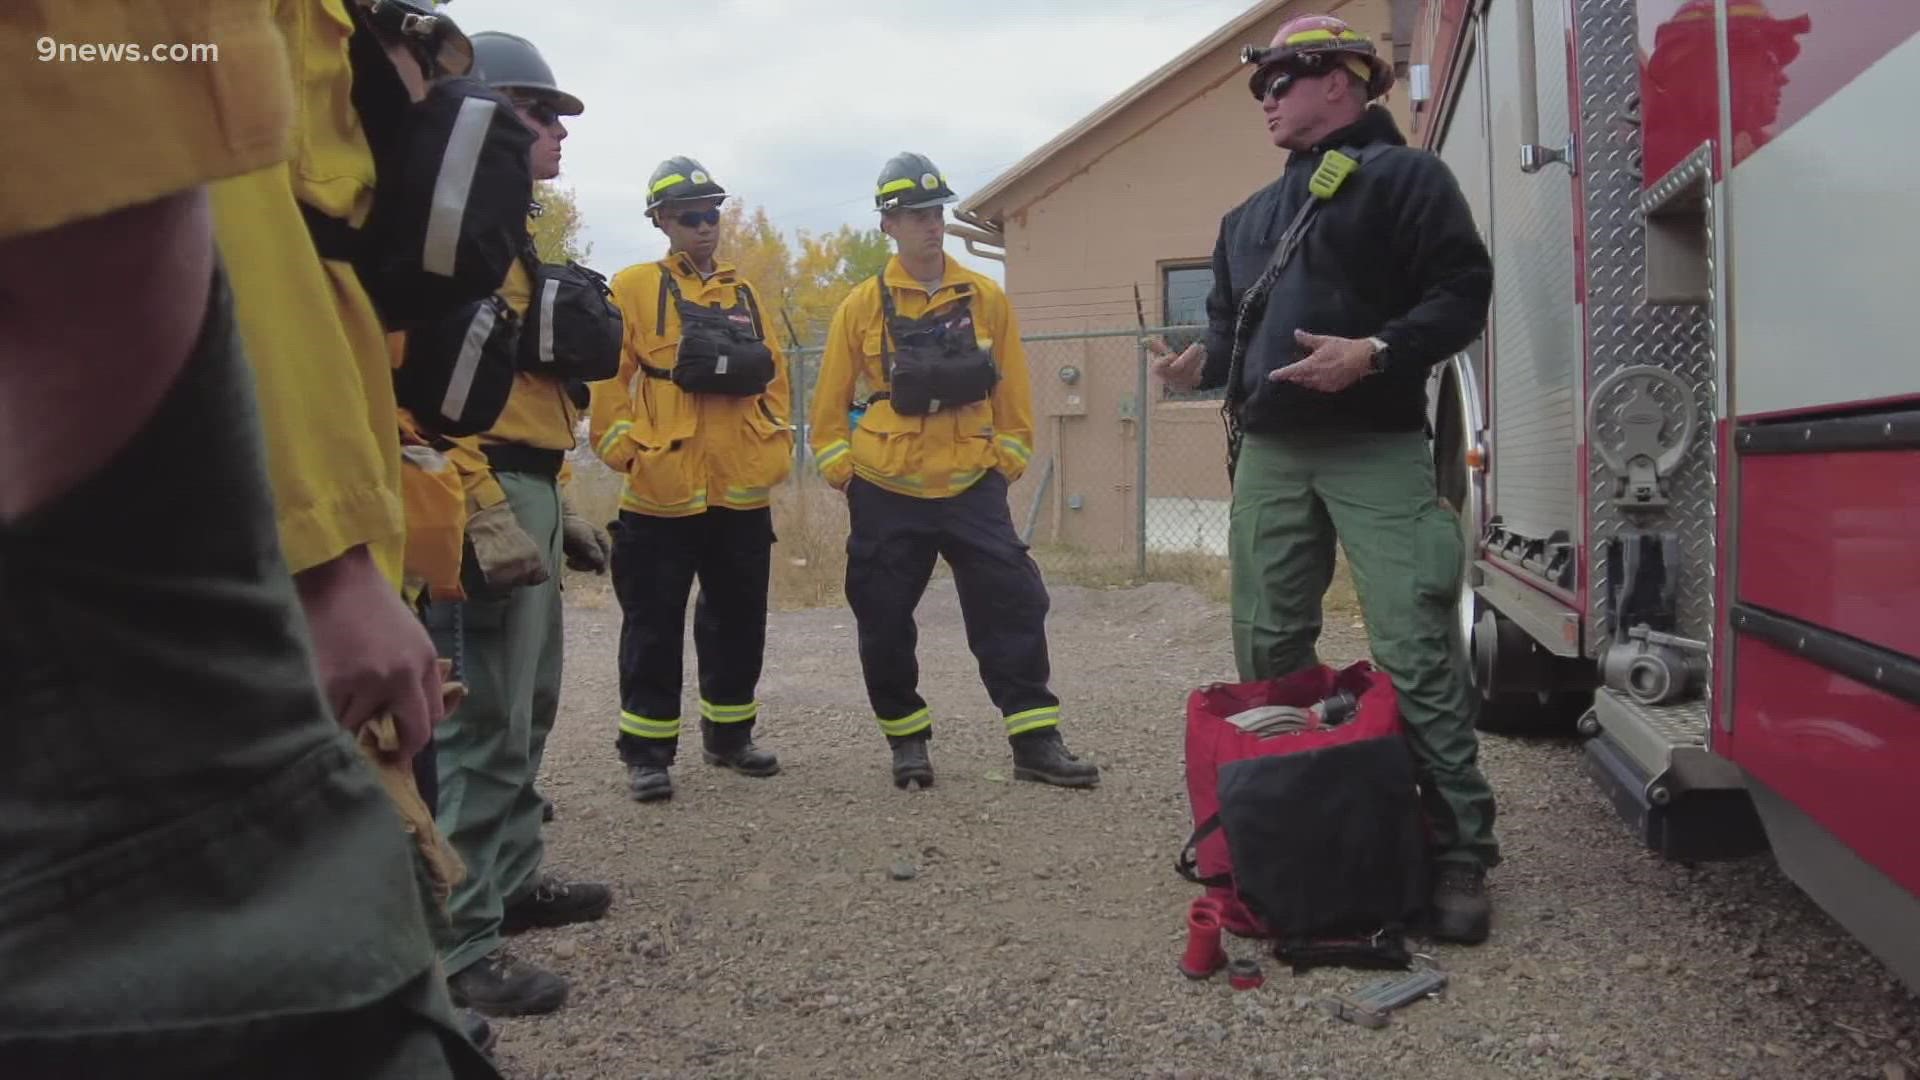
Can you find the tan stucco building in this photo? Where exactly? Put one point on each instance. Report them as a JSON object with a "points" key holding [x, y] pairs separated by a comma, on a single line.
{"points": [[1131, 198]]}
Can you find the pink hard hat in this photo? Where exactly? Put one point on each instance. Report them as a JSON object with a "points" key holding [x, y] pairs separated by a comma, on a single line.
{"points": [[1308, 44]]}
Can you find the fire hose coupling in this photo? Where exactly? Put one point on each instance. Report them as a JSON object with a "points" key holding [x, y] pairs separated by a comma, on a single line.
{"points": [[1244, 974], [1204, 955], [1654, 668]]}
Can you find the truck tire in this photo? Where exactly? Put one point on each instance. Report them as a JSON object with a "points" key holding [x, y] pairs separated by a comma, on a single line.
{"points": [[1454, 412]]}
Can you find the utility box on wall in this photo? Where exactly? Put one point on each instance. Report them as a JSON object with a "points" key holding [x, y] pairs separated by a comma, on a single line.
{"points": [[1068, 395]]}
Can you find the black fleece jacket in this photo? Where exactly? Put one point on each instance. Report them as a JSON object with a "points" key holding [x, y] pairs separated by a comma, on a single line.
{"points": [[1394, 255]]}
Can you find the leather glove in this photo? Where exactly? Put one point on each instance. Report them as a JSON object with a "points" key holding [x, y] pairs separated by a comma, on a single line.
{"points": [[587, 545], [507, 556]]}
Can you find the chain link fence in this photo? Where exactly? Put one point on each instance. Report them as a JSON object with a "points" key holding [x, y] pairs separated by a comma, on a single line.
{"points": [[1127, 484]]}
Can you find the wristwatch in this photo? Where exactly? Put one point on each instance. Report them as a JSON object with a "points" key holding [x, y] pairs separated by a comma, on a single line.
{"points": [[1379, 359]]}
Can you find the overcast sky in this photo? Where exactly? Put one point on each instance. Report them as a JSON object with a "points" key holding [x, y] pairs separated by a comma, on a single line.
{"points": [[795, 104]]}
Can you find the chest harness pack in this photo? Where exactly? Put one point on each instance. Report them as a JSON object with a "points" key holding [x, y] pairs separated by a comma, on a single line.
{"points": [[934, 361], [458, 370], [722, 350]]}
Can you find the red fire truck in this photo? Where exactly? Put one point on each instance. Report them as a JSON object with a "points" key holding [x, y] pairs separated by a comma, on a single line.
{"points": [[1689, 443]]}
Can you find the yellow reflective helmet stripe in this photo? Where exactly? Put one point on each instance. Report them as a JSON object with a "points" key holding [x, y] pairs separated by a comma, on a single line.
{"points": [[1305, 36], [666, 182], [901, 184]]}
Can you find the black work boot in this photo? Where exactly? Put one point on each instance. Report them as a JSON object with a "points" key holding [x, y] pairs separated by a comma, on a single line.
{"points": [[478, 1032], [911, 765], [1461, 911], [649, 783], [730, 746], [501, 984], [553, 902], [1042, 756]]}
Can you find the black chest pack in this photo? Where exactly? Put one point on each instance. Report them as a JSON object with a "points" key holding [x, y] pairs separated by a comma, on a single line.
{"points": [[458, 370], [453, 183], [934, 361], [722, 350], [572, 328]]}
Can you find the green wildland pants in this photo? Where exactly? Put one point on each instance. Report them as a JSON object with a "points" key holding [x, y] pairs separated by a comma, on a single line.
{"points": [[199, 875], [1293, 495], [509, 650]]}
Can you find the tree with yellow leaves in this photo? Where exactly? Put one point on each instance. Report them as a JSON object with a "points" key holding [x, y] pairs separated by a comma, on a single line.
{"points": [[806, 279], [556, 228]]}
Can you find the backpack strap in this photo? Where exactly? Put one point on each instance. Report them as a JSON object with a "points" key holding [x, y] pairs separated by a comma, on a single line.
{"points": [[887, 315], [666, 283], [333, 238], [745, 291], [1187, 865], [1322, 186]]}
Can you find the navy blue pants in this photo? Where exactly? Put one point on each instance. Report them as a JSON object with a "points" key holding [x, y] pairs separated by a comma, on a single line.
{"points": [[656, 561], [890, 555]]}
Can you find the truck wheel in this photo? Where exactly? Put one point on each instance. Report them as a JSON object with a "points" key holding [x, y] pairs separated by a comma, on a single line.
{"points": [[1546, 712]]}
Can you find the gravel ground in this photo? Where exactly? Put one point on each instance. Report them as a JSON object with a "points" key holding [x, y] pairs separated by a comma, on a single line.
{"points": [[823, 924]]}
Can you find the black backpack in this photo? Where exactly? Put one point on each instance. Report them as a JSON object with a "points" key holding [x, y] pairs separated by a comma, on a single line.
{"points": [[454, 182]]}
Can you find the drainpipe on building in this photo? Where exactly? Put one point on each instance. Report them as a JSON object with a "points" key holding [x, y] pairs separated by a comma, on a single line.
{"points": [[975, 232]]}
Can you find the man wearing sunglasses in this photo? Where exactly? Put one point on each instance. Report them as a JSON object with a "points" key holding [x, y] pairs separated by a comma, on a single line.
{"points": [[697, 421], [507, 632], [1336, 288]]}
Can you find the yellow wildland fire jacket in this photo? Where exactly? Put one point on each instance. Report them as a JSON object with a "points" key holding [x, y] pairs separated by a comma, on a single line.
{"points": [[936, 455], [684, 452]]}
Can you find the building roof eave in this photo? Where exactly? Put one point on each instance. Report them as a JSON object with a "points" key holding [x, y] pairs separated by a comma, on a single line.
{"points": [[974, 207]]}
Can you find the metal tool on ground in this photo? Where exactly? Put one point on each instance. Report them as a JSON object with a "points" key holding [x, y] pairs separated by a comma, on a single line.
{"points": [[1370, 1005], [1244, 974], [1204, 956]]}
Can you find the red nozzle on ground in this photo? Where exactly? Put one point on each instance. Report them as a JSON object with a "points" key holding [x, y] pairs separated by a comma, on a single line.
{"points": [[1245, 974], [1204, 956]]}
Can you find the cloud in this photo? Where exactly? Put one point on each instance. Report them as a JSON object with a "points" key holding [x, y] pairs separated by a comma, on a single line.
{"points": [[794, 105]]}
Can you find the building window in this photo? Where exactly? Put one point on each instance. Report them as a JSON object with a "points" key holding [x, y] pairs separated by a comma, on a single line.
{"points": [[1183, 302]]}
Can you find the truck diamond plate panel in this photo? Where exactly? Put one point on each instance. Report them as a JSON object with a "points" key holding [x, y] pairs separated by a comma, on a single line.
{"points": [[1624, 331], [1536, 325]]}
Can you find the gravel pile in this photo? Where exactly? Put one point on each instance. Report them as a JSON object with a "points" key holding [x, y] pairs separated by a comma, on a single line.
{"points": [[823, 924]]}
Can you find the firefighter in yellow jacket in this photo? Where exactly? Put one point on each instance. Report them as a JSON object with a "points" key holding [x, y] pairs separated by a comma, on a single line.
{"points": [[698, 422], [945, 425]]}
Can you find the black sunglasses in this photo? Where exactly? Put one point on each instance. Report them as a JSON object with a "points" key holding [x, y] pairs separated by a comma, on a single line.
{"points": [[543, 112], [1285, 75], [692, 218]]}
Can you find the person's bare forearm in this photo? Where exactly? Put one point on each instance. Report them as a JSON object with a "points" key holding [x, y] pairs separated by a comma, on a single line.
{"points": [[97, 319]]}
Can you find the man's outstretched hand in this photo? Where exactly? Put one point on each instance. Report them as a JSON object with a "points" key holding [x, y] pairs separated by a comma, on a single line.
{"points": [[373, 656], [1180, 372], [1334, 364]]}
